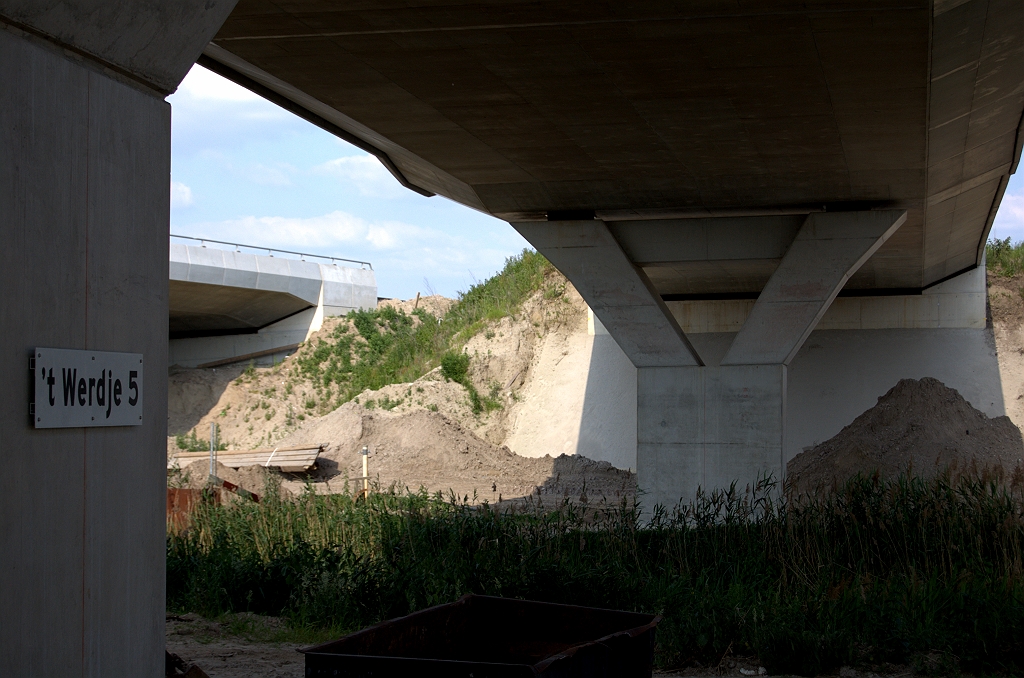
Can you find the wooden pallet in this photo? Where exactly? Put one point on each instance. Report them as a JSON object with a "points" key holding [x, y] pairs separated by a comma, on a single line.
{"points": [[287, 459]]}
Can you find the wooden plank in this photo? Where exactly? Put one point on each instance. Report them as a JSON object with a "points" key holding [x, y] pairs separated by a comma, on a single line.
{"points": [[288, 459]]}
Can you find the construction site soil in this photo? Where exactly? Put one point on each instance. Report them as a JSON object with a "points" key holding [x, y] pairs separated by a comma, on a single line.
{"points": [[921, 427]]}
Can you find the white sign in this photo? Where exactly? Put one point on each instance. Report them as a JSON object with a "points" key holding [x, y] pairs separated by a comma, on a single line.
{"points": [[86, 388]]}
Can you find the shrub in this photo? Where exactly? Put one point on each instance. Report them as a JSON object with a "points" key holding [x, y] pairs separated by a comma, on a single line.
{"points": [[454, 366], [390, 346], [190, 442], [1004, 258]]}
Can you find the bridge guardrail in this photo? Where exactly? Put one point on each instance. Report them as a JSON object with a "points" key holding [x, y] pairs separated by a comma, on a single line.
{"points": [[271, 250]]}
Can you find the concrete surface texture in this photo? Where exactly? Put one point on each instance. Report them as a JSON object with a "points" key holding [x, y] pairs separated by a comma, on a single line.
{"points": [[957, 302], [707, 427], [701, 423], [828, 249], [617, 292], [697, 110], [226, 303], [148, 40], [836, 375], [83, 191]]}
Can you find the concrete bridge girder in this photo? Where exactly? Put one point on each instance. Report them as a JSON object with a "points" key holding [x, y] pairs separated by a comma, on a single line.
{"points": [[225, 304], [301, 279]]}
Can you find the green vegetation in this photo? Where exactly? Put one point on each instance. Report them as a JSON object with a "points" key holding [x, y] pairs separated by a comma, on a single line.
{"points": [[390, 346], [454, 366], [1004, 258], [190, 442], [904, 571]]}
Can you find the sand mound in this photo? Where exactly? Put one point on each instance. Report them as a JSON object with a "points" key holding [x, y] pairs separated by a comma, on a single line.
{"points": [[427, 449], [922, 426], [435, 304], [252, 478]]}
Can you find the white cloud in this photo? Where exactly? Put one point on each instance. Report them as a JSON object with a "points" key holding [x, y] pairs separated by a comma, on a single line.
{"points": [[366, 172], [323, 233], [202, 84], [181, 195], [269, 176], [1009, 222]]}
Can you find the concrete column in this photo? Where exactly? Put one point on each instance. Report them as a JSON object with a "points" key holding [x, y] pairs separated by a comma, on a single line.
{"points": [[84, 205], [828, 249], [709, 427]]}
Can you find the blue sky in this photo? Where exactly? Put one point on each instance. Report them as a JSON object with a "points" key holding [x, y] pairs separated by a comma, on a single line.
{"points": [[1009, 221], [246, 171]]}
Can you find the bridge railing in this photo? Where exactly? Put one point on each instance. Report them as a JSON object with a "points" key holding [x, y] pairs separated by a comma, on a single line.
{"points": [[270, 250]]}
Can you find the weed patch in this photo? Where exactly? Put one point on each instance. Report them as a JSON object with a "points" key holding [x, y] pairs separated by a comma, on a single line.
{"points": [[1004, 258], [190, 442], [902, 571]]}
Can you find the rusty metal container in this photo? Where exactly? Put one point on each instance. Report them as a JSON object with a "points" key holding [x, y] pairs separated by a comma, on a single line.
{"points": [[486, 637], [179, 508]]}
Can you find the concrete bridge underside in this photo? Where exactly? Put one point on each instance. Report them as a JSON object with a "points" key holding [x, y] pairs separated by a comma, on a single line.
{"points": [[742, 163], [711, 176]]}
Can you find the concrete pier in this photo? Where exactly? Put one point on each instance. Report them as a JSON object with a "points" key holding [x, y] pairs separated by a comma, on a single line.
{"points": [[85, 143]]}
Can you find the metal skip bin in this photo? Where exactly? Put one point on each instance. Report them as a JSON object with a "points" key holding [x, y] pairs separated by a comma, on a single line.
{"points": [[487, 637]]}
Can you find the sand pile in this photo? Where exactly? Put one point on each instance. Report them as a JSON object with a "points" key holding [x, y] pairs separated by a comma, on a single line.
{"points": [[252, 478], [923, 426], [435, 304], [427, 449]]}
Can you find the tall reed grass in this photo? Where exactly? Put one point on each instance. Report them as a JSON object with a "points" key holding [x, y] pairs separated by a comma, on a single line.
{"points": [[878, 571]]}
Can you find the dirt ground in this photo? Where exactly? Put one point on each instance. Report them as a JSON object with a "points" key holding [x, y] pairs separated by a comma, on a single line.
{"points": [[235, 647]]}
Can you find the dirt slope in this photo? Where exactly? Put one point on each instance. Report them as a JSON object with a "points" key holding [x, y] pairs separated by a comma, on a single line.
{"points": [[427, 449], [1006, 313], [258, 407], [919, 425]]}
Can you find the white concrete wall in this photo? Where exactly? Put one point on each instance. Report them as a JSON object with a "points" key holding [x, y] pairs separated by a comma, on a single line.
{"points": [[838, 374], [84, 205], [347, 289]]}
